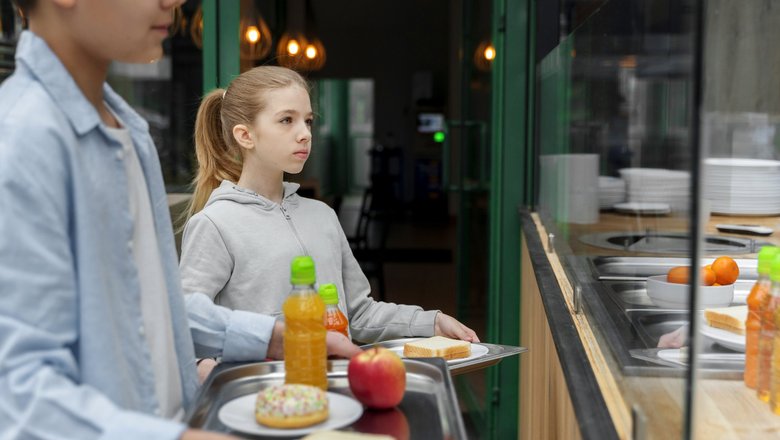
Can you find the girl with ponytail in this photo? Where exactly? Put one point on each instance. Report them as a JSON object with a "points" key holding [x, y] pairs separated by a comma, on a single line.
{"points": [[246, 224]]}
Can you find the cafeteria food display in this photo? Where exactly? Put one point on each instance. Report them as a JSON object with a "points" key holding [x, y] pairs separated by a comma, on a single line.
{"points": [[438, 346], [291, 406], [727, 318]]}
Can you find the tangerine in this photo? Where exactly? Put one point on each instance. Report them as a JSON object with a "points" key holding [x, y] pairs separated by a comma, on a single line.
{"points": [[681, 275], [678, 275], [726, 270], [708, 277]]}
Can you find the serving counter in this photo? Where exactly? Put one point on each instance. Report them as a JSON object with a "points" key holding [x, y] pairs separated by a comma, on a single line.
{"points": [[590, 392]]}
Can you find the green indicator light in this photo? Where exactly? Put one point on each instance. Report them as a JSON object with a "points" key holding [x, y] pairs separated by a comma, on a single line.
{"points": [[438, 136]]}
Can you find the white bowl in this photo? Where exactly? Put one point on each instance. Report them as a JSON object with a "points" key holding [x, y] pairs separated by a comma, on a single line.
{"points": [[668, 295]]}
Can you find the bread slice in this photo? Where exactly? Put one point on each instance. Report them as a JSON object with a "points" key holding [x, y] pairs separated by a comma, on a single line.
{"points": [[727, 318], [438, 346]]}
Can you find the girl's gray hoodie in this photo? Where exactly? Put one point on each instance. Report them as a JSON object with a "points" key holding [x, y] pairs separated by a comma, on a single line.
{"points": [[238, 250]]}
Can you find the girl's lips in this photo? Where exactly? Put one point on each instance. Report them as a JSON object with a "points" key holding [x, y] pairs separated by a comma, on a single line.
{"points": [[301, 154], [162, 28]]}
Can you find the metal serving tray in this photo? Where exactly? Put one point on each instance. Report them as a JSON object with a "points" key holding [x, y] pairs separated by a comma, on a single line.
{"points": [[493, 356], [430, 406]]}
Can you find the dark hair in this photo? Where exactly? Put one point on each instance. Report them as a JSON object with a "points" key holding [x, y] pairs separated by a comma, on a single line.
{"points": [[25, 5]]}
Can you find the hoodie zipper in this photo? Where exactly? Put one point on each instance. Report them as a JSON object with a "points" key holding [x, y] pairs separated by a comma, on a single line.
{"points": [[294, 231]]}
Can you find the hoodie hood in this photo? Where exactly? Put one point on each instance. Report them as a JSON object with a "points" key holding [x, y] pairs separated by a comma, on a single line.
{"points": [[228, 190]]}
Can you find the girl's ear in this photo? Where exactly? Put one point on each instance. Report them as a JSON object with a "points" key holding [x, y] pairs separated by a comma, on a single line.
{"points": [[242, 135]]}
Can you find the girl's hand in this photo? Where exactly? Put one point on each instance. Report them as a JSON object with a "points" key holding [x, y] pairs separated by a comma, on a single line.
{"points": [[339, 345], [449, 327]]}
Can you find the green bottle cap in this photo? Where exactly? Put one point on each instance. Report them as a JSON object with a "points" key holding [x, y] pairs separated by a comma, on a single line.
{"points": [[329, 294], [774, 273], [765, 257], [302, 270]]}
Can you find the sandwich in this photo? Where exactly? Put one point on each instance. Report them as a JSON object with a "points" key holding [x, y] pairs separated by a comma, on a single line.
{"points": [[731, 319], [438, 346]]}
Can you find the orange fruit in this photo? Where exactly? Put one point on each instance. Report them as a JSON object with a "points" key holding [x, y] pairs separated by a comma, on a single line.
{"points": [[678, 275], [681, 275], [726, 270], [708, 277]]}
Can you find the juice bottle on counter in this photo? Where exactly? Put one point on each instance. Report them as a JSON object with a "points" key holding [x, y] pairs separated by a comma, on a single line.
{"points": [[334, 319], [766, 339], [305, 353], [756, 301], [774, 394]]}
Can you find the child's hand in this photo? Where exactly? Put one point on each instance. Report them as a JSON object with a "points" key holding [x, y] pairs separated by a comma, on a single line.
{"points": [[205, 366], [450, 327], [339, 345]]}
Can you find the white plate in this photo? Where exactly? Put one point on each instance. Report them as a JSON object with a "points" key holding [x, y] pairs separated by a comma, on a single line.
{"points": [[643, 208], [239, 414], [725, 338], [477, 351]]}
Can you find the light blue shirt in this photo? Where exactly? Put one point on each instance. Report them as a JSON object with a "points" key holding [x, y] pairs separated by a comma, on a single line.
{"points": [[74, 361]]}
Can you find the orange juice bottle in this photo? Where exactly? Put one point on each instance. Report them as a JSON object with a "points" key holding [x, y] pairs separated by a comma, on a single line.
{"points": [[766, 339], [305, 353], [774, 394], [756, 301], [334, 319]]}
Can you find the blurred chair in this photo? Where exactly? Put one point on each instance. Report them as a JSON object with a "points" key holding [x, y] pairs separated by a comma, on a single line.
{"points": [[368, 242]]}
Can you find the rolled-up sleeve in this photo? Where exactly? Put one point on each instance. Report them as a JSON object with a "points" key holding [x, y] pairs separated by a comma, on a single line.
{"points": [[235, 335]]}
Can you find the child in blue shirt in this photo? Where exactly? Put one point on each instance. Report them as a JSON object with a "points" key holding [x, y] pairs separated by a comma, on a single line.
{"points": [[96, 338]]}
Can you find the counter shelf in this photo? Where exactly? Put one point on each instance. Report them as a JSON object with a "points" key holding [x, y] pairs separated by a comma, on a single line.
{"points": [[429, 405]]}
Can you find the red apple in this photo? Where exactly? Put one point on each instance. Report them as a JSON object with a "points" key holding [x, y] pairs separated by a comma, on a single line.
{"points": [[377, 378]]}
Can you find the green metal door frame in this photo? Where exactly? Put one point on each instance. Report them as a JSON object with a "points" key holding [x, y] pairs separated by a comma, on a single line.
{"points": [[221, 59], [511, 173]]}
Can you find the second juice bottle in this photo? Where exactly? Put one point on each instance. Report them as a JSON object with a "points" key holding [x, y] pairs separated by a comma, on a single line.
{"points": [[305, 352]]}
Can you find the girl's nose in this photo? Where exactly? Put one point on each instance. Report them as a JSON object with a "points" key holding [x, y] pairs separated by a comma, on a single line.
{"points": [[305, 134]]}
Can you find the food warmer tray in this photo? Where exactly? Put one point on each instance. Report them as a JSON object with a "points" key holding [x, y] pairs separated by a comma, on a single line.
{"points": [[429, 407]]}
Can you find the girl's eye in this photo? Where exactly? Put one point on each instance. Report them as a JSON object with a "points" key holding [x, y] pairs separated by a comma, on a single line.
{"points": [[286, 120], [310, 122]]}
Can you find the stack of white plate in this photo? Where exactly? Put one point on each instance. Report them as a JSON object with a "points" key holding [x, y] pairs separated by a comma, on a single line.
{"points": [[612, 190], [742, 186], [658, 185]]}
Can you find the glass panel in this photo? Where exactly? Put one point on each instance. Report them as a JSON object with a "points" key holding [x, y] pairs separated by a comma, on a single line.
{"points": [[615, 160], [740, 119]]}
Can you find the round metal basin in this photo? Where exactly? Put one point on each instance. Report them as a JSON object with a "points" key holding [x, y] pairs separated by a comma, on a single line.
{"points": [[670, 243]]}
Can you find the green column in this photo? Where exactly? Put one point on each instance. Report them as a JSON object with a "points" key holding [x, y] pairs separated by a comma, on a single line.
{"points": [[339, 119], [512, 129], [221, 62]]}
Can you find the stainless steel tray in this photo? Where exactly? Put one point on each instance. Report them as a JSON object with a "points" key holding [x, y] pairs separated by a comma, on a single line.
{"points": [[493, 356], [429, 408]]}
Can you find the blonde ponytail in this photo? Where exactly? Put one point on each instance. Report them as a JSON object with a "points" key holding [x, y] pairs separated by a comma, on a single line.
{"points": [[217, 160]]}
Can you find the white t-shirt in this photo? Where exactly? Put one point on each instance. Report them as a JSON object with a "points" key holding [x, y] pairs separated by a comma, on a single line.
{"points": [[156, 311]]}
